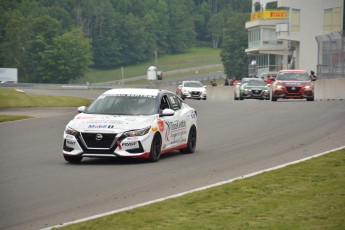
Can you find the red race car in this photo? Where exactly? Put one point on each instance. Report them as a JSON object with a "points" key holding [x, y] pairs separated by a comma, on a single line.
{"points": [[295, 84]]}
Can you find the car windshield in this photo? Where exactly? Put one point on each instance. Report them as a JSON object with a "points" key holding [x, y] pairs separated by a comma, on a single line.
{"points": [[123, 105], [193, 84], [255, 83], [293, 76]]}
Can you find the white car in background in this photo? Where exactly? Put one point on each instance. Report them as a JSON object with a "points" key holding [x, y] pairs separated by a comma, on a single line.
{"points": [[192, 90], [132, 123]]}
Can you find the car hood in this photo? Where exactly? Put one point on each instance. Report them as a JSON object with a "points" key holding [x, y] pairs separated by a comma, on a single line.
{"points": [[262, 87], [109, 123], [201, 89], [293, 83]]}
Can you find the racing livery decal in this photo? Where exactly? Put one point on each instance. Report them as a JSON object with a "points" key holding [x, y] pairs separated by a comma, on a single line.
{"points": [[160, 125]]}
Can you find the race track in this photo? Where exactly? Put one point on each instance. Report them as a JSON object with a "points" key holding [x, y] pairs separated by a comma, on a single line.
{"points": [[39, 189]]}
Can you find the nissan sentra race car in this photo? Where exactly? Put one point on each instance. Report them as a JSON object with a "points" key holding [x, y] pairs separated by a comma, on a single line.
{"points": [[293, 84], [133, 123], [251, 88], [192, 90]]}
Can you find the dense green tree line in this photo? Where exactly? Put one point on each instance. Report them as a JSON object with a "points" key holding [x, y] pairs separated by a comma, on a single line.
{"points": [[58, 40]]}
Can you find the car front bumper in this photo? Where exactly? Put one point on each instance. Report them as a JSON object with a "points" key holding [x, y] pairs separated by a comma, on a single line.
{"points": [[194, 95], [133, 147], [302, 94], [255, 94]]}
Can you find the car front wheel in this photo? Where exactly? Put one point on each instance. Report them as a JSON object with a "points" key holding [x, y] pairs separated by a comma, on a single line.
{"points": [[235, 98], [155, 151], [191, 143]]}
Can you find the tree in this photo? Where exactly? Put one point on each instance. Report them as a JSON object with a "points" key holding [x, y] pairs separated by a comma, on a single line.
{"points": [[215, 27], [67, 59], [235, 41], [105, 31], [16, 42], [181, 35], [156, 22], [121, 32]]}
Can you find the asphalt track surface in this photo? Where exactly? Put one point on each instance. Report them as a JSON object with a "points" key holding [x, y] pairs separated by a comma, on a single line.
{"points": [[39, 189]]}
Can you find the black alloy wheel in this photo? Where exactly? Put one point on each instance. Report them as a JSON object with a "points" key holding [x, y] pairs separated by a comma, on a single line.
{"points": [[155, 151], [191, 143]]}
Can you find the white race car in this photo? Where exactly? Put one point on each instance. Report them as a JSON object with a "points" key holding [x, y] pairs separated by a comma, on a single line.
{"points": [[192, 90], [134, 123]]}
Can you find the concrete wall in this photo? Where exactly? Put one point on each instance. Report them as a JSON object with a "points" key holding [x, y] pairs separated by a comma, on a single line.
{"points": [[325, 89], [330, 89], [216, 93]]}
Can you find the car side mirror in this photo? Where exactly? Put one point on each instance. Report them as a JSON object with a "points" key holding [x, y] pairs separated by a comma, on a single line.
{"points": [[313, 79], [81, 109], [167, 112]]}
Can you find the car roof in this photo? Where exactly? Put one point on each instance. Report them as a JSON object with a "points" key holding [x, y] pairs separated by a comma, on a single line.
{"points": [[252, 78], [192, 81], [292, 71], [133, 91]]}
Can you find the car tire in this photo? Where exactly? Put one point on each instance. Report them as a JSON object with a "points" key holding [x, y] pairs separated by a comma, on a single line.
{"points": [[274, 99], [191, 142], [310, 99], [73, 159], [155, 151]]}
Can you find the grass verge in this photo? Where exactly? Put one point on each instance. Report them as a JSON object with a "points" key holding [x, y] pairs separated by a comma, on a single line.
{"points": [[193, 58], [12, 98], [308, 195]]}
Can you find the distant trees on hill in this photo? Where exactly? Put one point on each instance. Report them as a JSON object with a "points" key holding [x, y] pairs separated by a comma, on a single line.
{"points": [[58, 40]]}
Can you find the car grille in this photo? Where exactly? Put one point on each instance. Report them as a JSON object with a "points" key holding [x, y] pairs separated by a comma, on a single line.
{"points": [[106, 142], [195, 93], [256, 92], [293, 89]]}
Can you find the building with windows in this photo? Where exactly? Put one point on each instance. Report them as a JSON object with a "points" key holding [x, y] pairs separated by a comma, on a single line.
{"points": [[282, 33]]}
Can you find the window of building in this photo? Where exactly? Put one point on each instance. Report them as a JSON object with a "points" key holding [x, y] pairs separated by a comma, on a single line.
{"points": [[332, 19], [295, 20], [269, 36], [254, 38]]}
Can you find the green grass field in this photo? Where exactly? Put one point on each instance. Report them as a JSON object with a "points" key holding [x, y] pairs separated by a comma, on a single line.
{"points": [[12, 98], [193, 58], [307, 195]]}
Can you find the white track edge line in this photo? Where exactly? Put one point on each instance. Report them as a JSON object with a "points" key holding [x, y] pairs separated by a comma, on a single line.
{"points": [[190, 191]]}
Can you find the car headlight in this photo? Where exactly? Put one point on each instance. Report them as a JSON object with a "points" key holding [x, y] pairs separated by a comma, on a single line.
{"points": [[137, 132], [307, 87], [71, 131], [279, 87]]}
